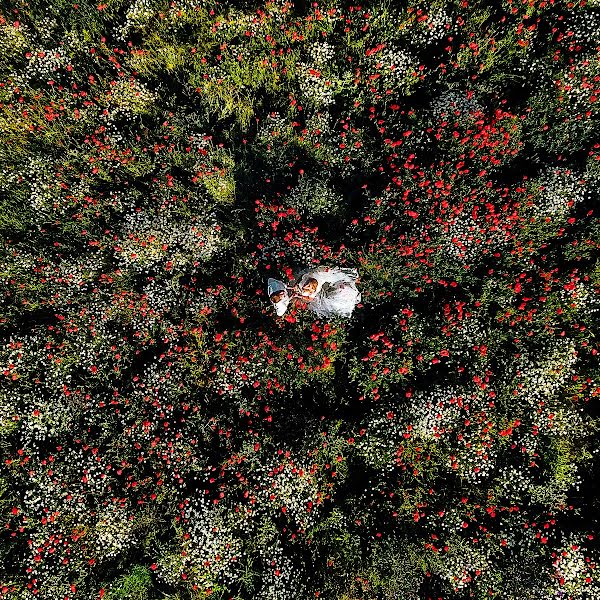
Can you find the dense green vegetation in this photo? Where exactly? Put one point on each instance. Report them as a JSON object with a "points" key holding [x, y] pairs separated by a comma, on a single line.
{"points": [[164, 435]]}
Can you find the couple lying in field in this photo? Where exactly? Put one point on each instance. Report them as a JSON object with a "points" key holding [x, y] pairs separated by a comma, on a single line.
{"points": [[327, 291]]}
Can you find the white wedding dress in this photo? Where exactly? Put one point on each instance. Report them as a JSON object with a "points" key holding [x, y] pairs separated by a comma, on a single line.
{"points": [[336, 293]]}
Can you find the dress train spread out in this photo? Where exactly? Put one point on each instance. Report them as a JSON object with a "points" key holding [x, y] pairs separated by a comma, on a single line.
{"points": [[336, 293]]}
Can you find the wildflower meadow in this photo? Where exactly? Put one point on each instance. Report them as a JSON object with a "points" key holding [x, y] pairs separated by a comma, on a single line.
{"points": [[164, 434]]}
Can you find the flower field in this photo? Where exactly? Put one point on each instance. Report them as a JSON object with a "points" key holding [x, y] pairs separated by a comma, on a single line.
{"points": [[164, 435]]}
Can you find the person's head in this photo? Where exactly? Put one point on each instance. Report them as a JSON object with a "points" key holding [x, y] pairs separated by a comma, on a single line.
{"points": [[277, 296], [310, 286]]}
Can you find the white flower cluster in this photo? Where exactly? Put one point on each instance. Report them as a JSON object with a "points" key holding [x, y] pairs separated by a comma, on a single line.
{"points": [[573, 574], [465, 239], [72, 275], [13, 40], [223, 541], [63, 495], [321, 53], [323, 143], [49, 411], [76, 41], [381, 439], [288, 484], [7, 412], [559, 191], [440, 410], [214, 547], [434, 27], [580, 299], [543, 376], [532, 68], [113, 531], [158, 388], [453, 103], [584, 26], [219, 544], [464, 564], [44, 64], [470, 332], [52, 413], [198, 140], [445, 410], [539, 382], [319, 124], [130, 97], [149, 239], [199, 301], [477, 459], [300, 250], [37, 175], [233, 375], [274, 125], [46, 28], [576, 88], [138, 15], [312, 196], [50, 495], [55, 542], [512, 483], [395, 65], [315, 88], [283, 580], [161, 295], [169, 568]]}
